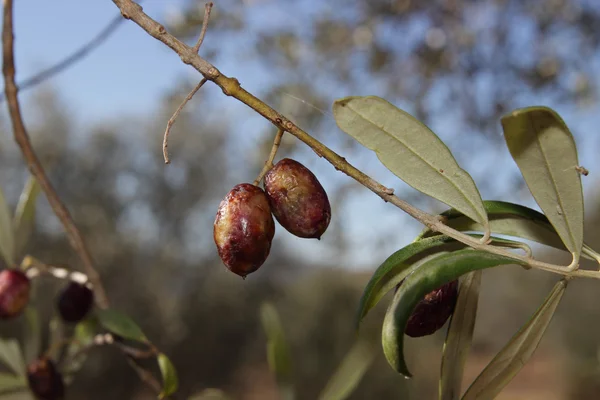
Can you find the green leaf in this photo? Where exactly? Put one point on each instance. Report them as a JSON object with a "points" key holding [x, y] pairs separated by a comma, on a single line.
{"points": [[20, 395], [349, 373], [210, 394], [509, 219], [33, 334], [10, 382], [278, 353], [509, 361], [24, 219], [403, 262], [544, 149], [410, 150], [7, 235], [459, 336], [120, 324], [11, 356], [429, 276], [169, 376]]}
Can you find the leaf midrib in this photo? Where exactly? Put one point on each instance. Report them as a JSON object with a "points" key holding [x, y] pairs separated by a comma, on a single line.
{"points": [[483, 216]]}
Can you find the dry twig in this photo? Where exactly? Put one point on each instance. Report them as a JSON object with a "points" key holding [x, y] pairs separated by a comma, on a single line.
{"points": [[207, 9], [174, 117]]}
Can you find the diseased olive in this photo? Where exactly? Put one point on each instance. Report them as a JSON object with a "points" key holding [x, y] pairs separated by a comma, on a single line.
{"points": [[244, 229], [297, 199]]}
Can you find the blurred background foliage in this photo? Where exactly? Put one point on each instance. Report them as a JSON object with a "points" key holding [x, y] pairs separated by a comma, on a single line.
{"points": [[457, 65]]}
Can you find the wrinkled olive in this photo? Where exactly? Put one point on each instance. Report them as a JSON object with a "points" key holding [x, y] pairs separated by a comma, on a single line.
{"points": [[244, 229]]}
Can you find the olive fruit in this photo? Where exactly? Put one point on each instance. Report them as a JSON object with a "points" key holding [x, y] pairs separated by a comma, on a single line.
{"points": [[14, 293], [297, 199], [44, 380], [432, 312], [244, 229], [74, 302]]}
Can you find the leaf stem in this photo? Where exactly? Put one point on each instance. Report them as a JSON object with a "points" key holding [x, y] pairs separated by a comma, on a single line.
{"points": [[269, 162]]}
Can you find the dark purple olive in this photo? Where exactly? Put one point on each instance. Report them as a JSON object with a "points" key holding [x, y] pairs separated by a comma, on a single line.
{"points": [[74, 302], [297, 199], [244, 229], [433, 311], [44, 380], [14, 293]]}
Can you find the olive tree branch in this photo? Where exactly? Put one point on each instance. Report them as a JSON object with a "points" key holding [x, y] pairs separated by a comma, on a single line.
{"points": [[269, 163], [231, 87], [32, 160]]}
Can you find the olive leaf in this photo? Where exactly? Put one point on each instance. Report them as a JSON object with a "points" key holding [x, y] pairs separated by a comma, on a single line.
{"points": [[404, 261], [349, 373], [509, 361], [33, 334], [120, 324], [11, 356], [10, 383], [459, 336], [278, 353], [169, 376], [411, 151], [545, 152], [7, 238], [24, 218], [431, 275], [509, 219]]}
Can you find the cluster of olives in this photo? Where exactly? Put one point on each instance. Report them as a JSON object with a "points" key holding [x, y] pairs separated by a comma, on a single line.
{"points": [[244, 226], [244, 229], [73, 303]]}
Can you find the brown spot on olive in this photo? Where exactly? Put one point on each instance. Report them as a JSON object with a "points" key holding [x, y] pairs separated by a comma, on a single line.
{"points": [[297, 199], [244, 229]]}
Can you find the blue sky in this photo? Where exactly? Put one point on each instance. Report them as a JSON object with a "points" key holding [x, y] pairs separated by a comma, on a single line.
{"points": [[128, 72]]}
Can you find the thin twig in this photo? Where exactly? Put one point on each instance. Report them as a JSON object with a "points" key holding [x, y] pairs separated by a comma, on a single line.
{"points": [[231, 87], [72, 58], [174, 117], [132, 355], [207, 9], [145, 375], [269, 163], [33, 162]]}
